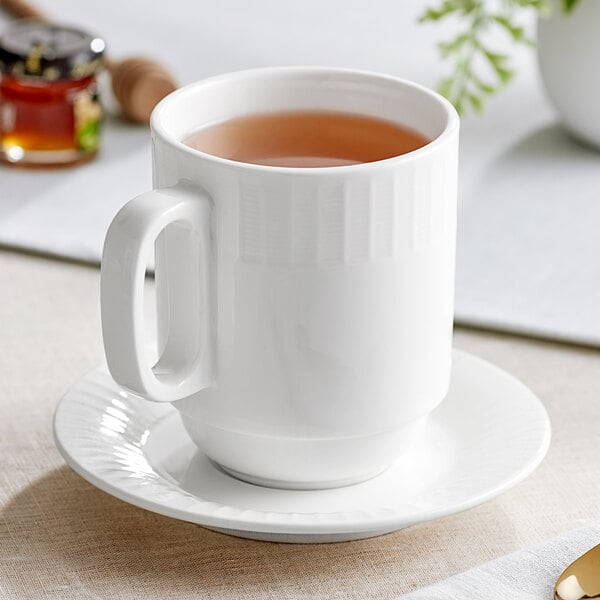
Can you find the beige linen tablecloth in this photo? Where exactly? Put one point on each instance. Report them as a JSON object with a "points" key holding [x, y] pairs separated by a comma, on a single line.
{"points": [[62, 538]]}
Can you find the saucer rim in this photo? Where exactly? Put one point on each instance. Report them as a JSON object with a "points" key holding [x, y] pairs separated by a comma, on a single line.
{"points": [[305, 523]]}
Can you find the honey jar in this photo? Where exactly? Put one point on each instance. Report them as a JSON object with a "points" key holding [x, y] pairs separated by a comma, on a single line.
{"points": [[50, 112]]}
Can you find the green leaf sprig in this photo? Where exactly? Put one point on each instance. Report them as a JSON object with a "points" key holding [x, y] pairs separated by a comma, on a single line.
{"points": [[569, 5], [477, 70]]}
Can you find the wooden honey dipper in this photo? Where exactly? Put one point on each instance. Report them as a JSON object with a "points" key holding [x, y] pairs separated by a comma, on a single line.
{"points": [[138, 83]]}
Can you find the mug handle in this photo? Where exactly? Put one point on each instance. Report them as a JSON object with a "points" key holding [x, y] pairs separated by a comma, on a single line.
{"points": [[178, 220]]}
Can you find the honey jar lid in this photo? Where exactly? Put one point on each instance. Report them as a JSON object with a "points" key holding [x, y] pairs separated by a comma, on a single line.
{"points": [[50, 52]]}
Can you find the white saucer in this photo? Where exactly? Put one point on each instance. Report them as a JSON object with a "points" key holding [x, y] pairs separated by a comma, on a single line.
{"points": [[488, 434]]}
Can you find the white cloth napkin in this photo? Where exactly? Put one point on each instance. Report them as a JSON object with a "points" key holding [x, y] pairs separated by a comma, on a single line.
{"points": [[523, 575], [528, 246]]}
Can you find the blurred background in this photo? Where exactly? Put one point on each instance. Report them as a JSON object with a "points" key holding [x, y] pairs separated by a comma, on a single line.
{"points": [[528, 246]]}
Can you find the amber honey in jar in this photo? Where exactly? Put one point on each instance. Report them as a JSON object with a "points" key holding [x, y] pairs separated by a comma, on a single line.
{"points": [[50, 112]]}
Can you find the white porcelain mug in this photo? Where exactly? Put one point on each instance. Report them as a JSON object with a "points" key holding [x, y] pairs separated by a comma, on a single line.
{"points": [[304, 314]]}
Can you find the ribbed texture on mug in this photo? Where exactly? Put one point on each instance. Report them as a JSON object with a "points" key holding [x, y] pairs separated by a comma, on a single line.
{"points": [[346, 222]]}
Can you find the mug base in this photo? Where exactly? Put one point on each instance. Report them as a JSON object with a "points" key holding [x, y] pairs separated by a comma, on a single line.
{"points": [[302, 463], [304, 485]]}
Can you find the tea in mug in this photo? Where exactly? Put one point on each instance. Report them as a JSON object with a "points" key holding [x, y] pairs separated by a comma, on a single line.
{"points": [[306, 139]]}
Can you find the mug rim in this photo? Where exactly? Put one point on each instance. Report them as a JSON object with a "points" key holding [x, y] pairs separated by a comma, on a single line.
{"points": [[158, 128]]}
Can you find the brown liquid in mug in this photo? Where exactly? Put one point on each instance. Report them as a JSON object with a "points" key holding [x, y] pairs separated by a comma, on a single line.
{"points": [[306, 139]]}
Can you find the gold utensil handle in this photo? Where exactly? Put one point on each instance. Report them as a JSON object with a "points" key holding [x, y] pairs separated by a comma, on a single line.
{"points": [[581, 579]]}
